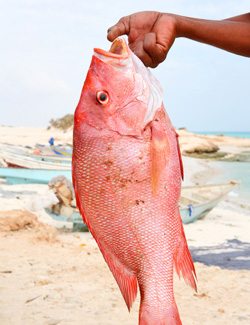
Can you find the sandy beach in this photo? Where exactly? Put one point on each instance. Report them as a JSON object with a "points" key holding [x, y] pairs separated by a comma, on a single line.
{"points": [[50, 275]]}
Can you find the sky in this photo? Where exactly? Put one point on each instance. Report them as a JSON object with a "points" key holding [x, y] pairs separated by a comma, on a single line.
{"points": [[46, 48]]}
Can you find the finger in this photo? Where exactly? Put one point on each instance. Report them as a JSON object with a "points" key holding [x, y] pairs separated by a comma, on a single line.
{"points": [[143, 55], [121, 28], [156, 51]]}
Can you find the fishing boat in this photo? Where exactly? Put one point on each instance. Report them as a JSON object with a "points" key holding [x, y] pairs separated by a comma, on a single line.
{"points": [[65, 151], [33, 153], [197, 201], [53, 159], [25, 160], [73, 219], [31, 176]]}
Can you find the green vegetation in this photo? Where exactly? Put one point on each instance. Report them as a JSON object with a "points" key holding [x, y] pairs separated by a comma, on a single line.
{"points": [[62, 123]]}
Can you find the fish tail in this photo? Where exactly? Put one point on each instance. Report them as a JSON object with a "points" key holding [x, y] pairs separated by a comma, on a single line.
{"points": [[153, 316]]}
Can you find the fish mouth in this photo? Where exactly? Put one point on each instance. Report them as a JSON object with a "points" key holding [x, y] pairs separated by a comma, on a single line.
{"points": [[118, 50]]}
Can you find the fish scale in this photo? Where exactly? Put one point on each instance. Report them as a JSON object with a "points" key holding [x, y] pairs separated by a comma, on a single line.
{"points": [[127, 185]]}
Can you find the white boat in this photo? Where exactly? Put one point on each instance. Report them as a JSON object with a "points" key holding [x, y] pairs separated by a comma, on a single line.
{"points": [[60, 150], [25, 160], [197, 201], [33, 153]]}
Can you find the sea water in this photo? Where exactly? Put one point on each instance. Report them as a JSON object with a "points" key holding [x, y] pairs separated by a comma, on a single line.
{"points": [[227, 133], [238, 171]]}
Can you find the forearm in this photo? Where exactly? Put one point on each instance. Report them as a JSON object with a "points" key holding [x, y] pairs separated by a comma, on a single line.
{"points": [[232, 34]]}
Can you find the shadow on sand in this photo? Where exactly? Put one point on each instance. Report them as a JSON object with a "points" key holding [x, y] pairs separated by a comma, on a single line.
{"points": [[233, 254]]}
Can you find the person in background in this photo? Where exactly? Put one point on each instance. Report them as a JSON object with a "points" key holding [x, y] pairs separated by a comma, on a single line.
{"points": [[51, 141], [151, 34]]}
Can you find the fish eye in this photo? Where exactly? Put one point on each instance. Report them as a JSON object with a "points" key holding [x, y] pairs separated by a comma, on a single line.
{"points": [[102, 97]]}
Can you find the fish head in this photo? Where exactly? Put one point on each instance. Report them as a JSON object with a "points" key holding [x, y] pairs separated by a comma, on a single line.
{"points": [[119, 93]]}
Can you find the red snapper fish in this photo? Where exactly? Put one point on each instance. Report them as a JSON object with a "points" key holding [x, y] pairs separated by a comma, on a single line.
{"points": [[127, 172]]}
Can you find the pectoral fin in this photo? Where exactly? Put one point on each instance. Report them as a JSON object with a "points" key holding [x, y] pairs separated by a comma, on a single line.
{"points": [[159, 153]]}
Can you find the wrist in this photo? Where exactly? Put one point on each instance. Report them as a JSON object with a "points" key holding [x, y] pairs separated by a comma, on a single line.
{"points": [[180, 25], [176, 23]]}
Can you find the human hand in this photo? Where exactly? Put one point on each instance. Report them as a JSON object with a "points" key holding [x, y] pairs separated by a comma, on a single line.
{"points": [[150, 35]]}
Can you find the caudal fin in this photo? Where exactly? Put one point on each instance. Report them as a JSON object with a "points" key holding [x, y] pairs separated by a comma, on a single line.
{"points": [[152, 316]]}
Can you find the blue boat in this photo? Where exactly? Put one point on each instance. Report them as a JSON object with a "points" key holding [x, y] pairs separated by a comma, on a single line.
{"points": [[31, 176]]}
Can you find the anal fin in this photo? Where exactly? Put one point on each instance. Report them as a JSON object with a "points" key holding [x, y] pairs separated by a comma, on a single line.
{"points": [[125, 278]]}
